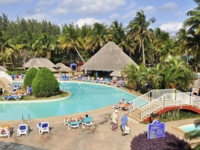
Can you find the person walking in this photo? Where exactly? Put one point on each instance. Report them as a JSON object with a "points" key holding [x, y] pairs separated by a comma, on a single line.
{"points": [[124, 122], [115, 120]]}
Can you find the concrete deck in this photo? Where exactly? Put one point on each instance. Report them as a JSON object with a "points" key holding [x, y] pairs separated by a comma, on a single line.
{"points": [[96, 138]]}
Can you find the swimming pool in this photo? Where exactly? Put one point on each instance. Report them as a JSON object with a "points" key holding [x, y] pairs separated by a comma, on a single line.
{"points": [[85, 97], [189, 127]]}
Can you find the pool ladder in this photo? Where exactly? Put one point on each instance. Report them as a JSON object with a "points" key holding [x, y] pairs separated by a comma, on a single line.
{"points": [[29, 119]]}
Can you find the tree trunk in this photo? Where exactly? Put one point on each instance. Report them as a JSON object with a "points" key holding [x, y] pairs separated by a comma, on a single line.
{"points": [[79, 54], [143, 55], [48, 55]]}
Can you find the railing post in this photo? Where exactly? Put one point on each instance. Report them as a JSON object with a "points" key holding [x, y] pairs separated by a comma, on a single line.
{"points": [[162, 102]]}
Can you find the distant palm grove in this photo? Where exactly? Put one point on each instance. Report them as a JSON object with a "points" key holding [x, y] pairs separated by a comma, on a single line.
{"points": [[170, 58]]}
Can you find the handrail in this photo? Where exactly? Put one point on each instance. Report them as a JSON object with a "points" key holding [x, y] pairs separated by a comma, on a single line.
{"points": [[171, 97]]}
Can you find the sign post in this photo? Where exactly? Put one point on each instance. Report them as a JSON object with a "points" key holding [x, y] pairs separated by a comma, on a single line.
{"points": [[156, 130]]}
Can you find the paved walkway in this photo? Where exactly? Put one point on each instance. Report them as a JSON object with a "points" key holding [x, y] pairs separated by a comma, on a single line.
{"points": [[99, 137]]}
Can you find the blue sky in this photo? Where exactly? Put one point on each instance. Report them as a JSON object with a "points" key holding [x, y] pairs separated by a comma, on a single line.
{"points": [[169, 14]]}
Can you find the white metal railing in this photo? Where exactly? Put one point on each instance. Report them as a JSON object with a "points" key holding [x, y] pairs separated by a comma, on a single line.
{"points": [[150, 96], [150, 102]]}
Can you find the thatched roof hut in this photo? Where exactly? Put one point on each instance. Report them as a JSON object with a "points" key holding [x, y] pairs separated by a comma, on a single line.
{"points": [[39, 63], [3, 68], [62, 68], [108, 58]]}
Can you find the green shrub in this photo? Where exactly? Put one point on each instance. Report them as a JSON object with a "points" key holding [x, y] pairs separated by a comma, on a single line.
{"points": [[45, 83], [30, 75]]}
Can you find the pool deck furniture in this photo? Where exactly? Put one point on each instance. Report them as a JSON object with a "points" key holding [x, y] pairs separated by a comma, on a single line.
{"points": [[5, 131], [74, 124], [22, 129], [43, 127], [12, 96], [87, 122]]}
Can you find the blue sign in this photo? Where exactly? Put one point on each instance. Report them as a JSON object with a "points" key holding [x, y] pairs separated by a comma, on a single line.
{"points": [[156, 130]]}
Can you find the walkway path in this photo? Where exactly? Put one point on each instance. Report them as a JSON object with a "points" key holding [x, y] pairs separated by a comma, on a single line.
{"points": [[99, 137]]}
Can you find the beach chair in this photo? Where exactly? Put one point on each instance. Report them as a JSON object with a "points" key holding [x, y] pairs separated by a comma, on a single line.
{"points": [[12, 96], [5, 131], [74, 124], [22, 129], [87, 122], [43, 127], [66, 122]]}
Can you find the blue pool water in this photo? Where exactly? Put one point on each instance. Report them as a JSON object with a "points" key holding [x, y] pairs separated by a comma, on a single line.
{"points": [[189, 127], [85, 97]]}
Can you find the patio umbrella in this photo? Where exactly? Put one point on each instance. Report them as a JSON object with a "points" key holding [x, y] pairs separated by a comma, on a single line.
{"points": [[5, 75], [116, 73], [3, 68]]}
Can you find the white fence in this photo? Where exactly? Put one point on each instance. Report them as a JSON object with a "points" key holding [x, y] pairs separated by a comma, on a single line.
{"points": [[157, 99]]}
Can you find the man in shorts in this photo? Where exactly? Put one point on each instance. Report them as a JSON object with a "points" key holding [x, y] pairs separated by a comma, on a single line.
{"points": [[124, 122]]}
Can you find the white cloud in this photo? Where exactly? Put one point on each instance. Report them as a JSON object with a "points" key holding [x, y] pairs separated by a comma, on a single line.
{"points": [[90, 6], [148, 9], [38, 16], [34, 11], [131, 5], [131, 15], [115, 16], [59, 11], [168, 7], [171, 27], [45, 2], [88, 21]]}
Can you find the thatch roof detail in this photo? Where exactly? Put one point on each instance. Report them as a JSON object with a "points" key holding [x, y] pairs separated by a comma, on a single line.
{"points": [[3, 68], [39, 63], [4, 84], [116, 73], [63, 68], [108, 58], [52, 69]]}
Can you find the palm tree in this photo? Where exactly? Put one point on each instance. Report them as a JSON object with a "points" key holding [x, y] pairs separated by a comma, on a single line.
{"points": [[117, 34], [137, 75], [99, 37], [138, 27], [182, 36], [44, 45], [176, 72], [194, 21], [6, 47], [70, 39]]}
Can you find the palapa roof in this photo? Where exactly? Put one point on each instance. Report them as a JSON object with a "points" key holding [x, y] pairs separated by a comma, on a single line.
{"points": [[4, 84], [39, 63], [62, 67], [3, 68], [108, 58], [116, 73]]}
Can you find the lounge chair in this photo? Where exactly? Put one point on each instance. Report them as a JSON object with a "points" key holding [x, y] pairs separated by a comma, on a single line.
{"points": [[22, 129], [87, 122], [12, 96], [74, 124], [5, 131], [43, 127]]}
